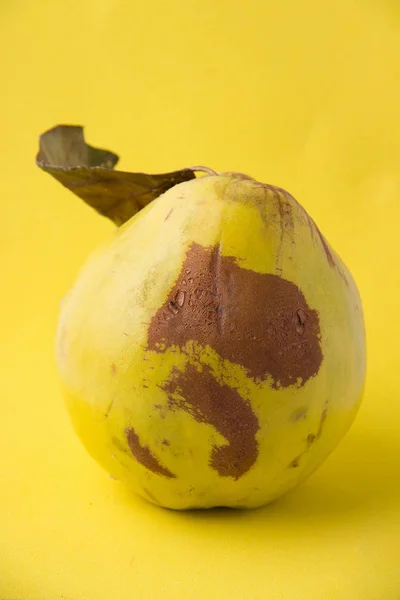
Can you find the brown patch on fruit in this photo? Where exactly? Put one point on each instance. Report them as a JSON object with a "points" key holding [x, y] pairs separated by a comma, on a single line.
{"points": [[144, 455], [113, 368], [259, 321], [208, 401], [295, 463]]}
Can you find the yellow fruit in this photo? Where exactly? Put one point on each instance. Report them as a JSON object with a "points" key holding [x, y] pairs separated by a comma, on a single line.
{"points": [[212, 352]]}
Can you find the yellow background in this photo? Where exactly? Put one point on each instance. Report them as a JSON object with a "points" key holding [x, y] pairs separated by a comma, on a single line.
{"points": [[305, 95]]}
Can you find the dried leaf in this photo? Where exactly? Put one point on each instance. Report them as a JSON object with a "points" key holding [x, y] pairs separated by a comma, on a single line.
{"points": [[87, 172]]}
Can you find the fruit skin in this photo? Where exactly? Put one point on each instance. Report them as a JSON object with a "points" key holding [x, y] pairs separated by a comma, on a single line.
{"points": [[241, 416]]}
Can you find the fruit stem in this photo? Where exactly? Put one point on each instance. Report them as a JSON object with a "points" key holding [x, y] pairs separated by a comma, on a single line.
{"points": [[205, 169]]}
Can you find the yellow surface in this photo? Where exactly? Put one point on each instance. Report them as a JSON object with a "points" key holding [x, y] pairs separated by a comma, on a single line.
{"points": [[295, 94]]}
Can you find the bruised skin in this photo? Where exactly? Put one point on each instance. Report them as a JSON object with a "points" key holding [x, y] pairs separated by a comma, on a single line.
{"points": [[259, 321], [208, 401], [144, 455]]}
